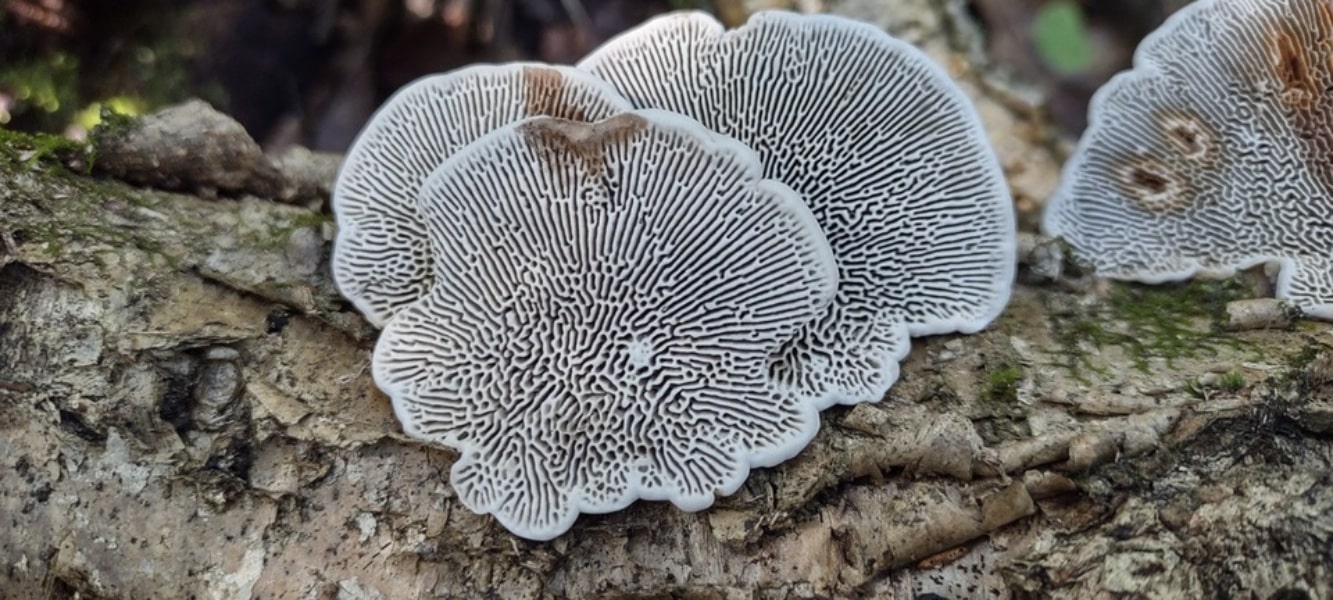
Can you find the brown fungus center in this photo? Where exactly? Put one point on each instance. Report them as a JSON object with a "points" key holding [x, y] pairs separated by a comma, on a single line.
{"points": [[545, 93], [560, 140], [1303, 68]]}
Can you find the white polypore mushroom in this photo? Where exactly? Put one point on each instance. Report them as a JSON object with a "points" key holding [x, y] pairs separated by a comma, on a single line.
{"points": [[1213, 153], [606, 301], [887, 152], [381, 258]]}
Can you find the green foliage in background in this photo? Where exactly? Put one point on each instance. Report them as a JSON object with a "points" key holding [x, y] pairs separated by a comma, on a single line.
{"points": [[92, 115], [46, 93], [1061, 37], [48, 84]]}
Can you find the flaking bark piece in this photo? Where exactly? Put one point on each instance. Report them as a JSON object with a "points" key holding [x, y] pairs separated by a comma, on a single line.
{"points": [[381, 258], [1214, 153], [188, 146], [606, 302], [885, 149]]}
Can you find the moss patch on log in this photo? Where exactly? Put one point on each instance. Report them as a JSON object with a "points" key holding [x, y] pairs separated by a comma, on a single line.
{"points": [[1167, 322]]}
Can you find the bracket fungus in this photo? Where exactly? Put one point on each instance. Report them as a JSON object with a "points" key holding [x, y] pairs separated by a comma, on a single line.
{"points": [[1213, 153], [381, 258], [887, 152], [599, 332]]}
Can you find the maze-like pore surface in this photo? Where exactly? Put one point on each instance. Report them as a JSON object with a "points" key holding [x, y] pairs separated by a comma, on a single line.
{"points": [[887, 152], [381, 258], [1214, 153], [606, 301]]}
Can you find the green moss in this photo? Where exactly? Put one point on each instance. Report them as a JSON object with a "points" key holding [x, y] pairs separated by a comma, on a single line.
{"points": [[1174, 321], [279, 233], [74, 213], [1233, 381], [1310, 350], [111, 125], [1002, 384], [78, 233], [56, 236], [998, 417], [314, 219], [1165, 322], [27, 151], [92, 115]]}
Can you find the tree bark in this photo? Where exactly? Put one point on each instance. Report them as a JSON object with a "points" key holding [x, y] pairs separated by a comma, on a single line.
{"points": [[186, 410]]}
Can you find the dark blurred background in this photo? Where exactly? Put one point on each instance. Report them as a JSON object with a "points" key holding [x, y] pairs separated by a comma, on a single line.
{"points": [[310, 72]]}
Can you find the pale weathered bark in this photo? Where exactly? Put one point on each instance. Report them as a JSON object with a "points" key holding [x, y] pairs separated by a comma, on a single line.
{"points": [[186, 411]]}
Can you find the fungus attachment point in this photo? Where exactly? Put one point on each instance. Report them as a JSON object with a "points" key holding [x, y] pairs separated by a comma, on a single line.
{"points": [[887, 152], [1213, 153], [583, 350], [381, 258]]}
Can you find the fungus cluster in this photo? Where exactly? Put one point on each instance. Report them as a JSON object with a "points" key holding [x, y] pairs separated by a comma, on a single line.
{"points": [[886, 151], [1213, 153], [641, 278]]}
